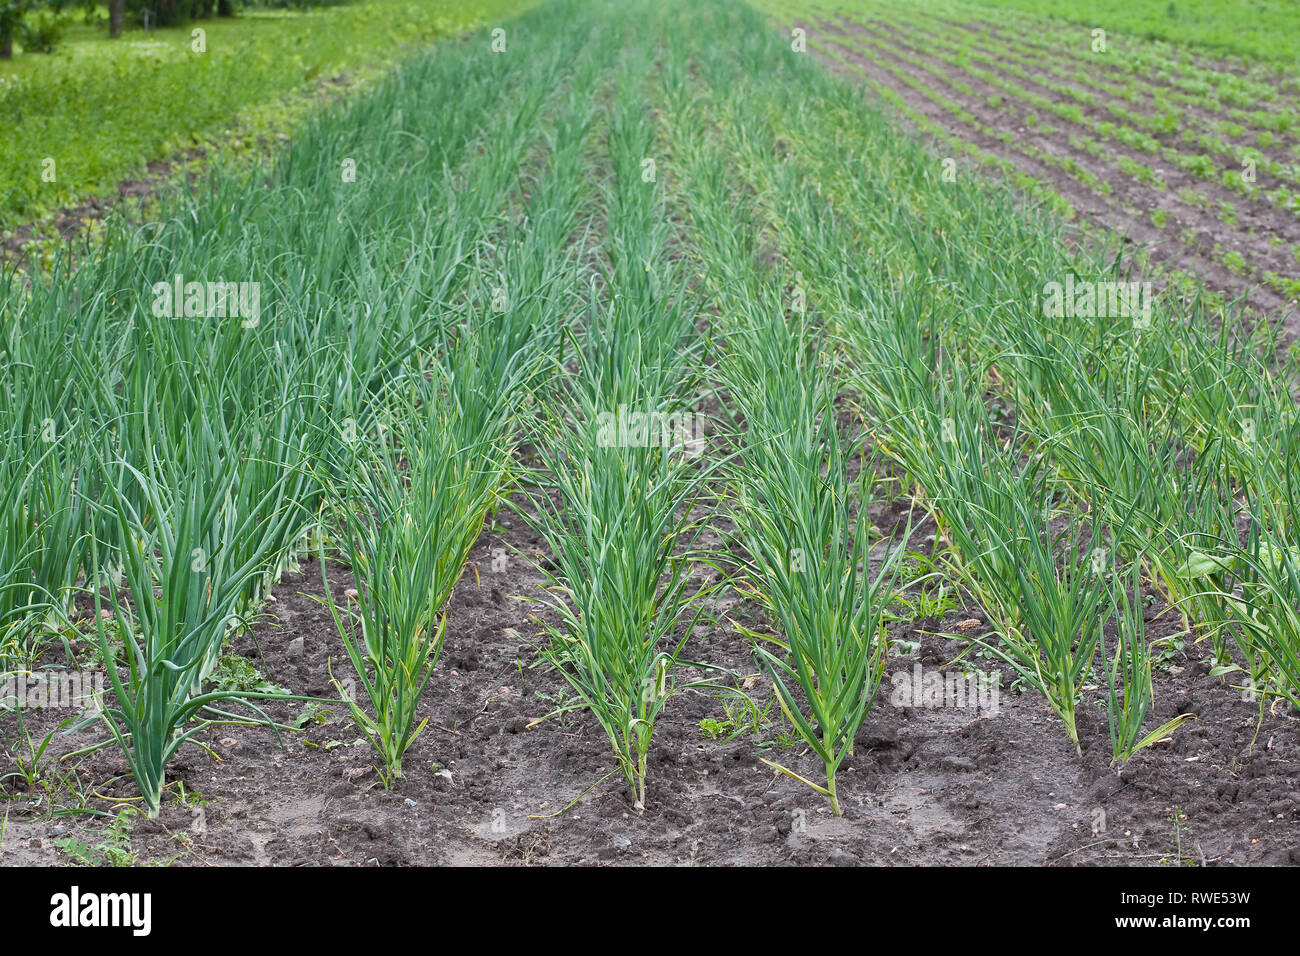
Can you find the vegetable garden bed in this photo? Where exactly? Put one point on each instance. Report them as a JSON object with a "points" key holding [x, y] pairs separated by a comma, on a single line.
{"points": [[656, 458]]}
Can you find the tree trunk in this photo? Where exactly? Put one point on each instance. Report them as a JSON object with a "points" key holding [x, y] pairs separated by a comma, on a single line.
{"points": [[116, 12], [225, 8], [7, 44]]}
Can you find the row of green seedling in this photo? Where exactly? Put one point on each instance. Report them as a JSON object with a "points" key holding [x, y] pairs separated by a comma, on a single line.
{"points": [[800, 521], [618, 449], [200, 448]]}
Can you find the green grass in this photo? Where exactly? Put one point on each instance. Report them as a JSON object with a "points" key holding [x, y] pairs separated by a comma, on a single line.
{"points": [[103, 109], [1253, 29]]}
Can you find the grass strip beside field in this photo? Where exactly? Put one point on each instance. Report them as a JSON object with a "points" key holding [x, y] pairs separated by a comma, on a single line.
{"points": [[98, 110]]}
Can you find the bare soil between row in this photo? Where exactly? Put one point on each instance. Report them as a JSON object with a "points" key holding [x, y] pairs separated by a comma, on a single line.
{"points": [[486, 785]]}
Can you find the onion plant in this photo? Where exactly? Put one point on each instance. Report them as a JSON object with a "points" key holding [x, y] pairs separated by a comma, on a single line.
{"points": [[1129, 693], [187, 555], [1258, 583], [1269, 610], [619, 526], [423, 478], [1269, 563], [1087, 405], [1043, 597], [1137, 427], [19, 544], [622, 540], [42, 520], [801, 522], [1052, 606]]}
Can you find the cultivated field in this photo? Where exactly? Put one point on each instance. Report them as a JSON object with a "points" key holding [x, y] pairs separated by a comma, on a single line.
{"points": [[660, 442], [1194, 158]]}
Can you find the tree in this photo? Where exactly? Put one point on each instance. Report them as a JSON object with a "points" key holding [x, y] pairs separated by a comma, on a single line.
{"points": [[169, 13], [116, 13], [11, 18]]}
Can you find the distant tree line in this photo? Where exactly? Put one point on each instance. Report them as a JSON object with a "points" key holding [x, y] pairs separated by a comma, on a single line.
{"points": [[37, 25]]}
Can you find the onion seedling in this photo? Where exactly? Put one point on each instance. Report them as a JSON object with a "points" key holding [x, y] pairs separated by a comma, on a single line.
{"points": [[619, 526], [1128, 673], [802, 524], [410, 508], [1259, 586], [622, 539], [184, 581]]}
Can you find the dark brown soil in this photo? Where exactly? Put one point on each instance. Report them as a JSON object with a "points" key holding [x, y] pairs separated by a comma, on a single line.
{"points": [[487, 785]]}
